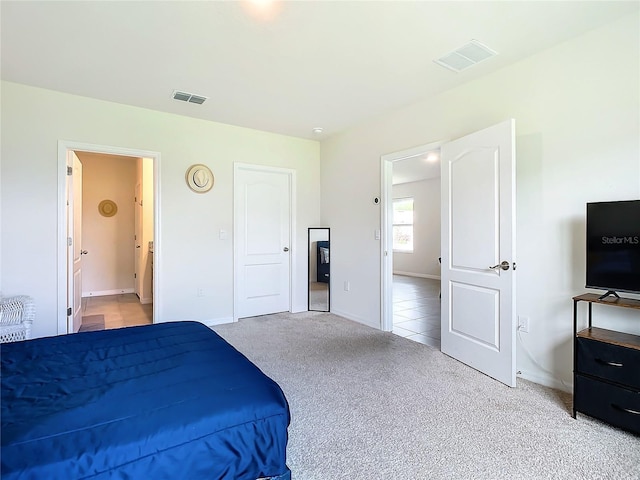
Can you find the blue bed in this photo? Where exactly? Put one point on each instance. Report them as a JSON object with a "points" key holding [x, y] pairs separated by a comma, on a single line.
{"points": [[171, 400]]}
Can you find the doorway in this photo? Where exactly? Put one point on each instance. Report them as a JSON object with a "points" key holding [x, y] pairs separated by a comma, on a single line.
{"points": [[116, 240], [411, 226], [478, 249], [107, 210]]}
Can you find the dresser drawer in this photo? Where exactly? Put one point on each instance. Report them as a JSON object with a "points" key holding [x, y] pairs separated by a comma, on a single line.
{"points": [[607, 361], [615, 405]]}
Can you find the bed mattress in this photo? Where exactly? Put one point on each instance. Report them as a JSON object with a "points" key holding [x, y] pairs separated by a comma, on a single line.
{"points": [[171, 400]]}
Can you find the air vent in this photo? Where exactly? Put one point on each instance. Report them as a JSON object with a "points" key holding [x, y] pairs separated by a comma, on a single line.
{"points": [[188, 97], [466, 56]]}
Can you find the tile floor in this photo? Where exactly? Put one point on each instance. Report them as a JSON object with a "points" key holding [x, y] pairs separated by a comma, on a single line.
{"points": [[416, 309], [124, 310]]}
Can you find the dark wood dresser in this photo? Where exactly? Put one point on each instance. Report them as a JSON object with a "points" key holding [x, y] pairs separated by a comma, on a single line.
{"points": [[606, 368]]}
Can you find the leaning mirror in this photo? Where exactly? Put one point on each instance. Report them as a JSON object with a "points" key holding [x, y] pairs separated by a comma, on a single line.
{"points": [[319, 269]]}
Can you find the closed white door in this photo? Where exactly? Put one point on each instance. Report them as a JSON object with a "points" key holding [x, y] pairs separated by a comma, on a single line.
{"points": [[478, 251], [262, 227], [74, 242]]}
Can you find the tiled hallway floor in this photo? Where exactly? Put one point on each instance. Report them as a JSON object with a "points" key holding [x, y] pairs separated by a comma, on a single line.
{"points": [[416, 309], [124, 310]]}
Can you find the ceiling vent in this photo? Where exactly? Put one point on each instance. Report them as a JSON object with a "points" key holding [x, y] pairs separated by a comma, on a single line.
{"points": [[188, 97], [466, 56]]}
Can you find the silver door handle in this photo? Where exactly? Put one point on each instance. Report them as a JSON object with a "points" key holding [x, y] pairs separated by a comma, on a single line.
{"points": [[285, 249], [83, 252], [504, 266]]}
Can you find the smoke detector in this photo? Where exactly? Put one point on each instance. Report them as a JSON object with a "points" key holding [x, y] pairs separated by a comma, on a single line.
{"points": [[466, 56], [188, 97]]}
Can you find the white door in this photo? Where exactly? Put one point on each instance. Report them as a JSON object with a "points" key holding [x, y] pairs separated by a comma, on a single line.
{"points": [[262, 205], [137, 241], [74, 244], [478, 251]]}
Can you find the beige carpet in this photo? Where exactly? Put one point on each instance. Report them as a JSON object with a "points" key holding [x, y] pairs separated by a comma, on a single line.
{"points": [[367, 404]]}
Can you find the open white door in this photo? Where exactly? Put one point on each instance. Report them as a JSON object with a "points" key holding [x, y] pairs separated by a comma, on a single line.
{"points": [[262, 205], [74, 243], [137, 254], [478, 251]]}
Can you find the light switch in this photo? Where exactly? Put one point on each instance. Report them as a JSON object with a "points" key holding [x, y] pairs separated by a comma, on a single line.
{"points": [[222, 235], [377, 234]]}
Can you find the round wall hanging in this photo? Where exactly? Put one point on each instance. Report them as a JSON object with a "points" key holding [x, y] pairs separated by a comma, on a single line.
{"points": [[107, 208], [199, 178]]}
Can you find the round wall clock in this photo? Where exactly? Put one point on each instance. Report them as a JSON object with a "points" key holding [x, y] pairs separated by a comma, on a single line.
{"points": [[199, 178]]}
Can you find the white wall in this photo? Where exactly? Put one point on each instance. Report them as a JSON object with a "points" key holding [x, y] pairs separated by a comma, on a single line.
{"points": [[192, 254], [108, 267], [577, 112], [423, 261]]}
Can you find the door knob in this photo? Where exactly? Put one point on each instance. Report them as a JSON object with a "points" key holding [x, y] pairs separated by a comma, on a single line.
{"points": [[504, 266], [285, 249], [137, 246], [83, 252]]}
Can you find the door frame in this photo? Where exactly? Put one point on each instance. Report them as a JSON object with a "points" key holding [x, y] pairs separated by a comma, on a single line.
{"points": [[386, 218], [293, 278], [63, 147]]}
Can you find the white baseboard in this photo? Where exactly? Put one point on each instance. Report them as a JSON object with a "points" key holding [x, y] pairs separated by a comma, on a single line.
{"points": [[102, 293], [419, 275], [355, 318], [546, 380], [212, 322], [299, 308]]}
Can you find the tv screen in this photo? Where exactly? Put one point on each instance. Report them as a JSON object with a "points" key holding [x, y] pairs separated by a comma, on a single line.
{"points": [[613, 246]]}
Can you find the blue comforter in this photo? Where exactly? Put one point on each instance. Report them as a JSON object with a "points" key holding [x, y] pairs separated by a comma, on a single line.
{"points": [[171, 400]]}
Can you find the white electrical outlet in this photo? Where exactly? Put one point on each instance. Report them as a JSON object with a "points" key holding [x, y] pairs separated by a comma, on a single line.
{"points": [[523, 324], [200, 292]]}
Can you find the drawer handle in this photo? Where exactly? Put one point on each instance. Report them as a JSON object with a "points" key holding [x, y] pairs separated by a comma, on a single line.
{"points": [[611, 364], [628, 410]]}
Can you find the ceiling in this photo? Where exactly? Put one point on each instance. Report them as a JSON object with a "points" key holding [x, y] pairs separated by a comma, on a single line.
{"points": [[414, 169], [283, 67]]}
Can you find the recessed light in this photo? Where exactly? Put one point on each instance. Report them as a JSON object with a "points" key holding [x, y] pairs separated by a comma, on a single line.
{"points": [[317, 130], [432, 157]]}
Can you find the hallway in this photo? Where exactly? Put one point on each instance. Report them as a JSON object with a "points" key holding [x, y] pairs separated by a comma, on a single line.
{"points": [[416, 309], [123, 310]]}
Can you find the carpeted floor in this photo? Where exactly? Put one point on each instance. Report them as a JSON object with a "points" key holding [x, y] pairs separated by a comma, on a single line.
{"points": [[367, 404]]}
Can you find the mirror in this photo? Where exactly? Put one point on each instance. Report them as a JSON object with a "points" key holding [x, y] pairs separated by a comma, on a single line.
{"points": [[319, 271]]}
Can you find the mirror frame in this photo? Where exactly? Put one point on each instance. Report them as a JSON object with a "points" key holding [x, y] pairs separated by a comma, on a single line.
{"points": [[328, 230]]}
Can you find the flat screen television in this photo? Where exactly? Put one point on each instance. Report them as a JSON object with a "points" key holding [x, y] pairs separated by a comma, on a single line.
{"points": [[613, 246]]}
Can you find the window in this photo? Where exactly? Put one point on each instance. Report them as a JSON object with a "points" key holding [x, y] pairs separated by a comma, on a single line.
{"points": [[403, 225]]}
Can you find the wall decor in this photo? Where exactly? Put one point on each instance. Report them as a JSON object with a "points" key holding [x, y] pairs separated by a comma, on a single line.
{"points": [[107, 208], [199, 178]]}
